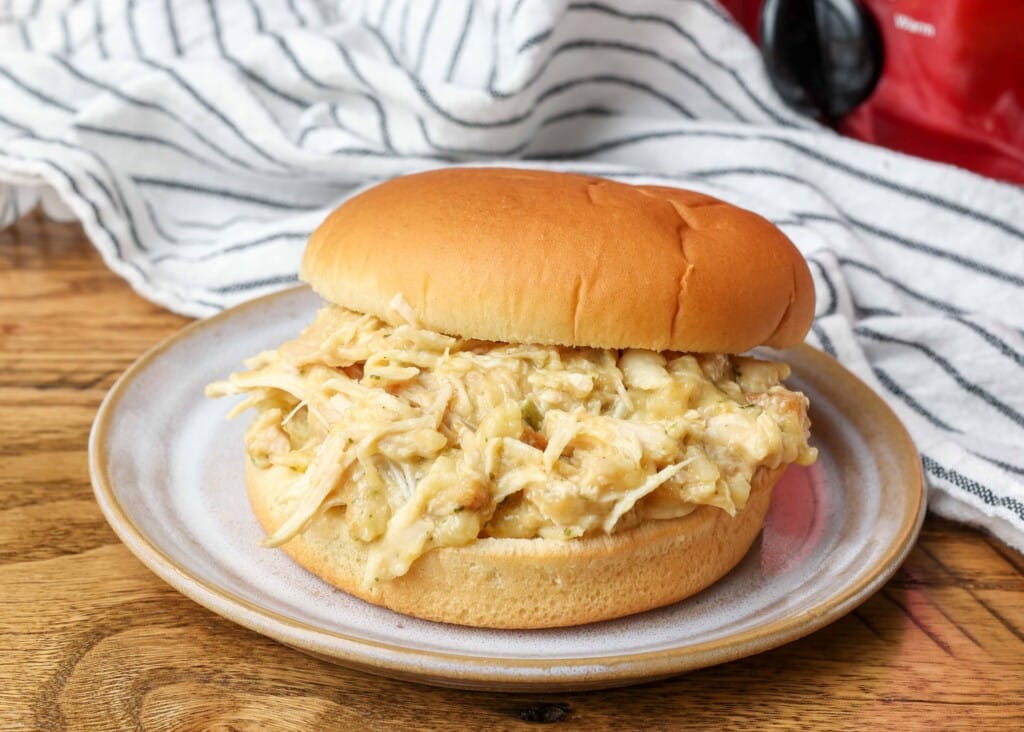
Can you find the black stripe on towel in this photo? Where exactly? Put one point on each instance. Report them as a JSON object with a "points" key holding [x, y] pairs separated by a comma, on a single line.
{"points": [[970, 387], [973, 487]]}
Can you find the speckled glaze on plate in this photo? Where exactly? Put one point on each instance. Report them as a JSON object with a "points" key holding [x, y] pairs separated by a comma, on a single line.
{"points": [[167, 470]]}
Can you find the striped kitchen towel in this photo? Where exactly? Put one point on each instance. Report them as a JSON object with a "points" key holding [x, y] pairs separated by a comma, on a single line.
{"points": [[199, 142]]}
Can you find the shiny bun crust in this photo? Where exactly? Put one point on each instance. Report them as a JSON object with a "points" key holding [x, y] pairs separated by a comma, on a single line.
{"points": [[529, 256], [530, 583]]}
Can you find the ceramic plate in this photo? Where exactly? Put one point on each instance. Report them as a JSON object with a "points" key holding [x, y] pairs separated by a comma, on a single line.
{"points": [[168, 474]]}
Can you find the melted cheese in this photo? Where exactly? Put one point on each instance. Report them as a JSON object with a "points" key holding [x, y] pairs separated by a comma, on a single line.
{"points": [[423, 440]]}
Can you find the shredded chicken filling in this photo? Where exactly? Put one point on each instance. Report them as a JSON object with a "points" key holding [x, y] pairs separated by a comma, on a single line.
{"points": [[422, 440]]}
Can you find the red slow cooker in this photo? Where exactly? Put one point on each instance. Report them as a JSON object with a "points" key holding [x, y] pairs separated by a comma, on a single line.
{"points": [[941, 79]]}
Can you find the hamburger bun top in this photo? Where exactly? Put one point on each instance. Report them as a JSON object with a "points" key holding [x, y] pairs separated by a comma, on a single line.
{"points": [[525, 256]]}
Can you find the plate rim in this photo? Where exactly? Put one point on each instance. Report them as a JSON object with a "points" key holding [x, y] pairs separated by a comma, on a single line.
{"points": [[460, 670]]}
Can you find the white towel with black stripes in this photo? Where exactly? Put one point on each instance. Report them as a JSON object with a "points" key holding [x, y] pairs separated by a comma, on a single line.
{"points": [[200, 141]]}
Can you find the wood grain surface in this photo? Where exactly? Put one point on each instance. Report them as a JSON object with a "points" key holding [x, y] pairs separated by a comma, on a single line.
{"points": [[90, 639]]}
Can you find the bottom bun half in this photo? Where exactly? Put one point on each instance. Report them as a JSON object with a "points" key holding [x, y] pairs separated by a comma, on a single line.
{"points": [[529, 583]]}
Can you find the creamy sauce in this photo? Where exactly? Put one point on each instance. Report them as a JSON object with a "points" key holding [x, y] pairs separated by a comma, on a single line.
{"points": [[421, 440]]}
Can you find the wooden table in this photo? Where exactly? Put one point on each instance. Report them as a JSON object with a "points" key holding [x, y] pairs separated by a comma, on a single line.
{"points": [[90, 639]]}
